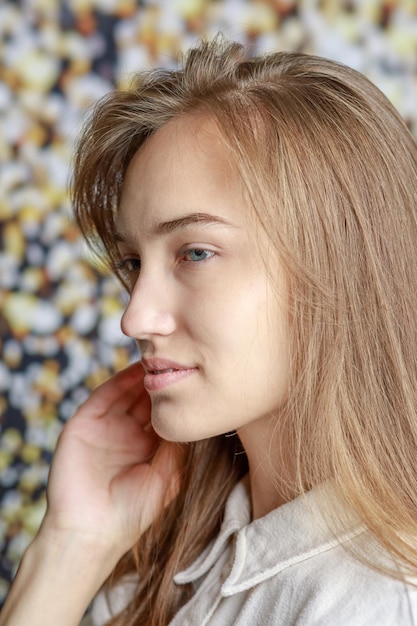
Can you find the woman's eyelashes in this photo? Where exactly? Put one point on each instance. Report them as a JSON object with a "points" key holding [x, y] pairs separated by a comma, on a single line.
{"points": [[131, 265], [196, 255], [127, 266]]}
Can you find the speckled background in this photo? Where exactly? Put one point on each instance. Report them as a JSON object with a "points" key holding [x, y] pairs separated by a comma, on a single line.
{"points": [[60, 312]]}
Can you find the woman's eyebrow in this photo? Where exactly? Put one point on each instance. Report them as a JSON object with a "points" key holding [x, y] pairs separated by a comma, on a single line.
{"points": [[163, 228], [192, 218]]}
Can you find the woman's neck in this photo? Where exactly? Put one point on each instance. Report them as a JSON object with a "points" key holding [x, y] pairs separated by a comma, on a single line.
{"points": [[269, 465]]}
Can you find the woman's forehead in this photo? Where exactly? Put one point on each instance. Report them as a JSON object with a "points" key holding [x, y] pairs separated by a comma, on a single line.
{"points": [[184, 168]]}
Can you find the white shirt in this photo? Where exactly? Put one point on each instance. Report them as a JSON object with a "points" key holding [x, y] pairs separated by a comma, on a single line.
{"points": [[284, 569]]}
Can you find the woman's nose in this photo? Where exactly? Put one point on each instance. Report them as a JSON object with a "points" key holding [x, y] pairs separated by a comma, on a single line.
{"points": [[148, 312]]}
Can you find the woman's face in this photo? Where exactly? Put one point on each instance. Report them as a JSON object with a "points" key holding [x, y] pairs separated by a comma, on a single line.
{"points": [[211, 328]]}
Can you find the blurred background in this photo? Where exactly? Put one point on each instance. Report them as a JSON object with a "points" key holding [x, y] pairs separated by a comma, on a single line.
{"points": [[59, 311]]}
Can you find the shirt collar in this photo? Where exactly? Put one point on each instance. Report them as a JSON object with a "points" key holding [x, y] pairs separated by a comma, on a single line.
{"points": [[237, 515], [262, 548]]}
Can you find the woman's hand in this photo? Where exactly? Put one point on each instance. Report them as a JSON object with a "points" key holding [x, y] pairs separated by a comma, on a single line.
{"points": [[111, 474], [110, 477]]}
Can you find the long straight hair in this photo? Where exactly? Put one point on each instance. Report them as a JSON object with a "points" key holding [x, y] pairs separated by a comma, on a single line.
{"points": [[330, 171]]}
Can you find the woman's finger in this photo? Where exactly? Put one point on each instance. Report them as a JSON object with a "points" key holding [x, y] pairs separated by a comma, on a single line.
{"points": [[140, 409], [117, 393]]}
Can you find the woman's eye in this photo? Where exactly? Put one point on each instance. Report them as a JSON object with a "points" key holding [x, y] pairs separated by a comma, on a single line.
{"points": [[128, 266], [198, 254]]}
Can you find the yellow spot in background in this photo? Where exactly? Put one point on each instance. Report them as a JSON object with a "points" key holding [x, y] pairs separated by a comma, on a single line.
{"points": [[48, 383], [30, 454], [17, 310], [12, 356], [33, 514], [6, 458], [37, 70], [110, 306], [14, 242], [11, 441], [189, 9], [97, 377], [33, 279]]}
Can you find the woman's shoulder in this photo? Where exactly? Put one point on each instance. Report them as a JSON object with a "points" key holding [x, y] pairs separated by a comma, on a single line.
{"points": [[291, 567]]}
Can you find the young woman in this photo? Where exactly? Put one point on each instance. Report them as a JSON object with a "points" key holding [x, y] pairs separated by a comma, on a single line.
{"points": [[259, 465]]}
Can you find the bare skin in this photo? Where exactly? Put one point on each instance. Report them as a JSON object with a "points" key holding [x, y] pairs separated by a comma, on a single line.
{"points": [[108, 463]]}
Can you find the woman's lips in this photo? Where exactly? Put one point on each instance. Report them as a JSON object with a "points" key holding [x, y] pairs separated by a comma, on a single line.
{"points": [[161, 373]]}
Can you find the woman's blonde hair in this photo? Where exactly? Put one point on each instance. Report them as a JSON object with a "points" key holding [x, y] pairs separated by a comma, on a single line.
{"points": [[331, 173]]}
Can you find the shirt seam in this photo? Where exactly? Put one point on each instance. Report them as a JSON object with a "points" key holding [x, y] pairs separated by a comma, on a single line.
{"points": [[230, 588]]}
